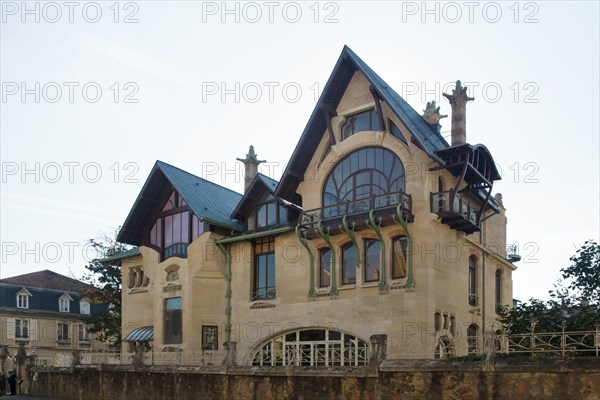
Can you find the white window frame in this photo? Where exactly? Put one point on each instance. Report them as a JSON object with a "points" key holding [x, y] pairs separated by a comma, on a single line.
{"points": [[82, 334], [63, 305], [84, 307], [60, 330], [20, 325], [22, 300]]}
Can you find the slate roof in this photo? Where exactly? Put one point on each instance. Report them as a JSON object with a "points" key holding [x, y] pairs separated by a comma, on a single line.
{"points": [[45, 288], [210, 202], [424, 135], [253, 194], [47, 279]]}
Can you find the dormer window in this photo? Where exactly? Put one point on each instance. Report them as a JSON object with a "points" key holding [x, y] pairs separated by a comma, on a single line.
{"points": [[175, 228], [64, 303], [23, 298], [364, 121], [269, 213], [84, 307]]}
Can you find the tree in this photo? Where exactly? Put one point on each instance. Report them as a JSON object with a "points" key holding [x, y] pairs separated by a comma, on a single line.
{"points": [[585, 273], [105, 277], [576, 305]]}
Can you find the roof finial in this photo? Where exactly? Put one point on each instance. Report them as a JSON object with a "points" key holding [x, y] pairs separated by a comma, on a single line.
{"points": [[251, 163], [431, 113]]}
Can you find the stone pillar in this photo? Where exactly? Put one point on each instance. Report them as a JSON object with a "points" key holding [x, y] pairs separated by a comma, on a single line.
{"points": [[378, 352], [251, 163], [458, 100], [230, 357], [21, 356], [4, 355], [138, 355]]}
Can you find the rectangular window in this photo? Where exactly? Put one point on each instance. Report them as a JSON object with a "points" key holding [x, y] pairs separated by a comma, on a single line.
{"points": [[399, 263], [22, 301], [84, 307], [349, 265], [324, 267], [63, 305], [173, 321], [372, 260], [210, 337], [472, 281], [63, 332], [498, 290], [84, 336], [21, 329], [264, 269]]}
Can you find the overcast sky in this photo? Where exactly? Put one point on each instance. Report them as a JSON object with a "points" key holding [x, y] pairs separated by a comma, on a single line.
{"points": [[93, 93]]}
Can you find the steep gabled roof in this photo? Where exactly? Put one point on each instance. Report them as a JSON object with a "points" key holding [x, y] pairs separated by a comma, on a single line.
{"points": [[253, 194], [210, 202], [425, 136], [47, 279]]}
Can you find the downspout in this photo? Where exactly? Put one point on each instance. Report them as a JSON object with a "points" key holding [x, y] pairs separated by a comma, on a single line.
{"points": [[226, 249], [410, 282], [303, 242], [325, 236], [375, 227]]}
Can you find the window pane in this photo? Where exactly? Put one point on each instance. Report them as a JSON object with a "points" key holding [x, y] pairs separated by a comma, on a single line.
{"points": [[173, 321], [349, 265], [362, 123], [271, 214], [282, 215], [271, 271], [372, 260], [399, 264], [176, 228], [325, 268], [168, 230], [261, 220], [185, 227]]}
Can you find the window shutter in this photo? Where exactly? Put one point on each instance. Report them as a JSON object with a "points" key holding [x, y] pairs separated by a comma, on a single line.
{"points": [[33, 330], [10, 328]]}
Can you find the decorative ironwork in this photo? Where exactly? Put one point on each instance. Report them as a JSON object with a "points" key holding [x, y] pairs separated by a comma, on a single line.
{"points": [[459, 214]]}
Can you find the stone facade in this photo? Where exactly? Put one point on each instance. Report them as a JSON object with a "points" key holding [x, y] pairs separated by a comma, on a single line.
{"points": [[426, 313]]}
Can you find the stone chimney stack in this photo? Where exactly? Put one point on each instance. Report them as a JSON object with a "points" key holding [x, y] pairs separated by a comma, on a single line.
{"points": [[458, 100], [251, 164]]}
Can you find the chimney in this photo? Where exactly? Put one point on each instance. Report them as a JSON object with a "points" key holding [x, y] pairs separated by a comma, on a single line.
{"points": [[251, 164], [458, 100]]}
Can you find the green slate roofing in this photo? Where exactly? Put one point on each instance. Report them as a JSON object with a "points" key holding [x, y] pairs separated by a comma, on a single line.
{"points": [[209, 201], [426, 134], [212, 203]]}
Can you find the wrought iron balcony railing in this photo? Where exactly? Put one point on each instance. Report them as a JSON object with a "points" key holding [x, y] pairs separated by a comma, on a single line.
{"points": [[357, 211], [266, 293], [176, 250], [460, 214]]}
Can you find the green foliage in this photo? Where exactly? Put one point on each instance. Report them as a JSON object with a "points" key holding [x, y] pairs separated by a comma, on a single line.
{"points": [[585, 273], [576, 305], [106, 279]]}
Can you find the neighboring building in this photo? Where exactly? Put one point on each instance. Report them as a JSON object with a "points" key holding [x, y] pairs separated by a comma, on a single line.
{"points": [[377, 226], [45, 311]]}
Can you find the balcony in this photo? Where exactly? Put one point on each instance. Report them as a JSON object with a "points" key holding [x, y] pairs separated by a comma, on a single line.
{"points": [[357, 213], [460, 214], [176, 250]]}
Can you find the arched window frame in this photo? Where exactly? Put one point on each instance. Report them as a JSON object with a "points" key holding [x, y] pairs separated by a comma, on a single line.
{"points": [[348, 254], [472, 281], [398, 271], [353, 183]]}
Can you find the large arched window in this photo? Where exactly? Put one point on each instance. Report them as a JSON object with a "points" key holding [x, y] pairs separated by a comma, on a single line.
{"points": [[313, 347], [367, 172]]}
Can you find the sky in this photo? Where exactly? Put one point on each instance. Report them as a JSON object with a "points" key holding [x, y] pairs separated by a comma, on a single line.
{"points": [[93, 93]]}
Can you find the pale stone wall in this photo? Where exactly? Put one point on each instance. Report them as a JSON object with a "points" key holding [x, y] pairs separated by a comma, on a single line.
{"points": [[440, 265]]}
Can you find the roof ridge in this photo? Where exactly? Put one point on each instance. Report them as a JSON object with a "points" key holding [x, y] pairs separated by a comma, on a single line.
{"points": [[198, 177]]}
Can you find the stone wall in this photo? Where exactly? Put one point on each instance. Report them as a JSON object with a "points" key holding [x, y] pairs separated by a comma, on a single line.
{"points": [[512, 379]]}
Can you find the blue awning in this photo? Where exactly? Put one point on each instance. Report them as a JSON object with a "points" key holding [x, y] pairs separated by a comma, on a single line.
{"points": [[141, 334]]}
